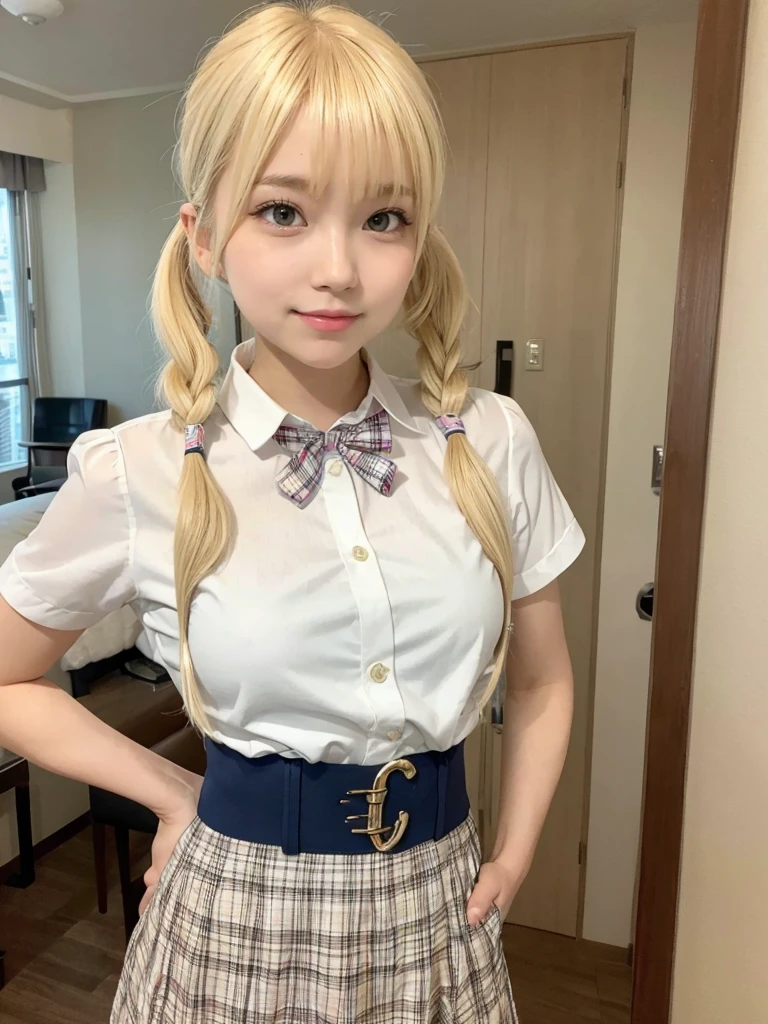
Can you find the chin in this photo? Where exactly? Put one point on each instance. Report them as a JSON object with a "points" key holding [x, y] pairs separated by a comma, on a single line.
{"points": [[325, 352]]}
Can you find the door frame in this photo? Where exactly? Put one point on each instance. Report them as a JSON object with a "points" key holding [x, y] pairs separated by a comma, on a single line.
{"points": [[718, 72]]}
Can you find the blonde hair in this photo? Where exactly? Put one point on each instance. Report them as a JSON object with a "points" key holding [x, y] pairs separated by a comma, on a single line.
{"points": [[354, 80]]}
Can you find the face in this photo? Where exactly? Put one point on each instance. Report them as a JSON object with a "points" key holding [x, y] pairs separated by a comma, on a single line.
{"points": [[294, 255]]}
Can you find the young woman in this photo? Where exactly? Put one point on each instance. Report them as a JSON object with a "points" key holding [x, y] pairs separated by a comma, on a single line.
{"points": [[329, 561]]}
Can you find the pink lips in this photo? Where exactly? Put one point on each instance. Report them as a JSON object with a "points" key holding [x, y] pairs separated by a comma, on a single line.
{"points": [[326, 321]]}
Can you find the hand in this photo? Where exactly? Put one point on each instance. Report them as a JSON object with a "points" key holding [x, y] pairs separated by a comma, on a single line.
{"points": [[169, 831], [497, 883]]}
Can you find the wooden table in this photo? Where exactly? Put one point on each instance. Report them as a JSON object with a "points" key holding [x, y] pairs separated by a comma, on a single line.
{"points": [[142, 711], [48, 446], [14, 774]]}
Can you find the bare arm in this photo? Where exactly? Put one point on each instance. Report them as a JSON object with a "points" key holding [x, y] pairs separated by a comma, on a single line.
{"points": [[537, 722], [43, 723]]}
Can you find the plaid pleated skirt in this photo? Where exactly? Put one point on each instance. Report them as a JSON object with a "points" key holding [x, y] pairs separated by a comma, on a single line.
{"points": [[239, 932]]}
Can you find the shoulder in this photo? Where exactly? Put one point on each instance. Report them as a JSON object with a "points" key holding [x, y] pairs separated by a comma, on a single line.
{"points": [[140, 430], [154, 428], [101, 458], [493, 409], [498, 428], [491, 415]]}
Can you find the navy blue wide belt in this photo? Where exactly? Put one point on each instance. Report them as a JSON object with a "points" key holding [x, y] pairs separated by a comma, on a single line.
{"points": [[306, 807]]}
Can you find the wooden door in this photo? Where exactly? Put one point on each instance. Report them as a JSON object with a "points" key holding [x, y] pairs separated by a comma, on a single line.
{"points": [[462, 89], [550, 239]]}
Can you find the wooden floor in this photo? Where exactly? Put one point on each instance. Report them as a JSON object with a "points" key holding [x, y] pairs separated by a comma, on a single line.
{"points": [[63, 958]]}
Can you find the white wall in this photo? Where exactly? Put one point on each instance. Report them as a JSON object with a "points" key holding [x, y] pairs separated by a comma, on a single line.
{"points": [[35, 131], [127, 202], [6, 493], [722, 939], [657, 146]]}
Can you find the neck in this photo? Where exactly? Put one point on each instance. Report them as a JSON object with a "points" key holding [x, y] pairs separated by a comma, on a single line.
{"points": [[318, 396]]}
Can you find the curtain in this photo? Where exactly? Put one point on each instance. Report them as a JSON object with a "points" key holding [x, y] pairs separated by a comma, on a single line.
{"points": [[21, 173]]}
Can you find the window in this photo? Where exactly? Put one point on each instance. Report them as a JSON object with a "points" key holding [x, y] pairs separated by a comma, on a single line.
{"points": [[14, 382]]}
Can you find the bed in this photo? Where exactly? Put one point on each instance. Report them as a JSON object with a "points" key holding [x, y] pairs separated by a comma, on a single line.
{"points": [[116, 632]]}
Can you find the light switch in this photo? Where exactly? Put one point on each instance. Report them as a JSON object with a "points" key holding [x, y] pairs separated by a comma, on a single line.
{"points": [[534, 354]]}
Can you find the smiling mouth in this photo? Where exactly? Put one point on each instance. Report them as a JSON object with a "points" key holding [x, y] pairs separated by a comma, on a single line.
{"points": [[328, 322], [328, 314]]}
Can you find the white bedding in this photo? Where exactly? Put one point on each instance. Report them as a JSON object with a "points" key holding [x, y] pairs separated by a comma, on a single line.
{"points": [[116, 632]]}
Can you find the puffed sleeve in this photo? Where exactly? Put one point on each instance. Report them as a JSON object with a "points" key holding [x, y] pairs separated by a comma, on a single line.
{"points": [[546, 538], [75, 565]]}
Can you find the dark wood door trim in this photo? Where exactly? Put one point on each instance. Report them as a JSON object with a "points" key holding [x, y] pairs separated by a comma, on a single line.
{"points": [[714, 122]]}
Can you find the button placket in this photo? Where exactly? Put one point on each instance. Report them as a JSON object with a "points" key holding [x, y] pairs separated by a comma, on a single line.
{"points": [[375, 612]]}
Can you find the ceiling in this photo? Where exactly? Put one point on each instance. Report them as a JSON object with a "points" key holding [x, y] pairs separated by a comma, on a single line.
{"points": [[101, 48]]}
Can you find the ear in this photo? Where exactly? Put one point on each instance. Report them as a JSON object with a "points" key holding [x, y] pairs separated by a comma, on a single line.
{"points": [[200, 244]]}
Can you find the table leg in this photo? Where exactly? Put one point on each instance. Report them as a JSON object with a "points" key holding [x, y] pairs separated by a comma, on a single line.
{"points": [[26, 874]]}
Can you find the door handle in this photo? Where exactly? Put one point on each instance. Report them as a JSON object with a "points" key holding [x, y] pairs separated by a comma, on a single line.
{"points": [[644, 602]]}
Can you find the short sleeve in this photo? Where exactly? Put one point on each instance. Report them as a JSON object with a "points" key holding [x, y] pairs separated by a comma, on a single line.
{"points": [[546, 538], [75, 566]]}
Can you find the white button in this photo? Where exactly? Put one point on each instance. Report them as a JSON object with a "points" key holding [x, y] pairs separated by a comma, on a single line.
{"points": [[378, 672], [394, 734], [335, 467], [360, 553]]}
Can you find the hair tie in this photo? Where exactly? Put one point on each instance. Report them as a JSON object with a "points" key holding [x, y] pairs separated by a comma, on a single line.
{"points": [[450, 424], [193, 438]]}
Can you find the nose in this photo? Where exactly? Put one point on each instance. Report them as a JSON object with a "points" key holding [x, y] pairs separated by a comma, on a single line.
{"points": [[335, 261]]}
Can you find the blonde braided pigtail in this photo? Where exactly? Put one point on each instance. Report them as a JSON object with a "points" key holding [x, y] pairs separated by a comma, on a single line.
{"points": [[203, 523], [435, 307]]}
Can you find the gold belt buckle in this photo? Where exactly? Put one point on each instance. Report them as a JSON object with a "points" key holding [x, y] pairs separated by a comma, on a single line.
{"points": [[375, 797]]}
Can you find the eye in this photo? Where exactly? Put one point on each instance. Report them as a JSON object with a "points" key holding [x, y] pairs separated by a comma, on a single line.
{"points": [[284, 215], [379, 221]]}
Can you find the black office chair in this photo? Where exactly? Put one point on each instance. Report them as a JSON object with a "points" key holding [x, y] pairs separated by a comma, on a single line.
{"points": [[56, 423]]}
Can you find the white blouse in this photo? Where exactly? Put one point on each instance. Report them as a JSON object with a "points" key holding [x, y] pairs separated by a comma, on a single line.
{"points": [[355, 630]]}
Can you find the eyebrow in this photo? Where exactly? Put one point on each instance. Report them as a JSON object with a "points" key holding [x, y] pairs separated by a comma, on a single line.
{"points": [[302, 185]]}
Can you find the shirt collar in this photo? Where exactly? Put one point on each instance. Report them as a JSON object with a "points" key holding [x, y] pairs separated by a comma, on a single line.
{"points": [[256, 416]]}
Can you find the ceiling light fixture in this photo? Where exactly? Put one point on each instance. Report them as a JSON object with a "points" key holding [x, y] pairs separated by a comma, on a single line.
{"points": [[33, 12]]}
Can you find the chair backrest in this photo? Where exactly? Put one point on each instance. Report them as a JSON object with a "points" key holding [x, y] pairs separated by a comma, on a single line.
{"points": [[63, 419]]}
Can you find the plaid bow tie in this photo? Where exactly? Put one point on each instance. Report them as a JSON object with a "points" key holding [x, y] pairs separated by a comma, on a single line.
{"points": [[358, 444]]}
